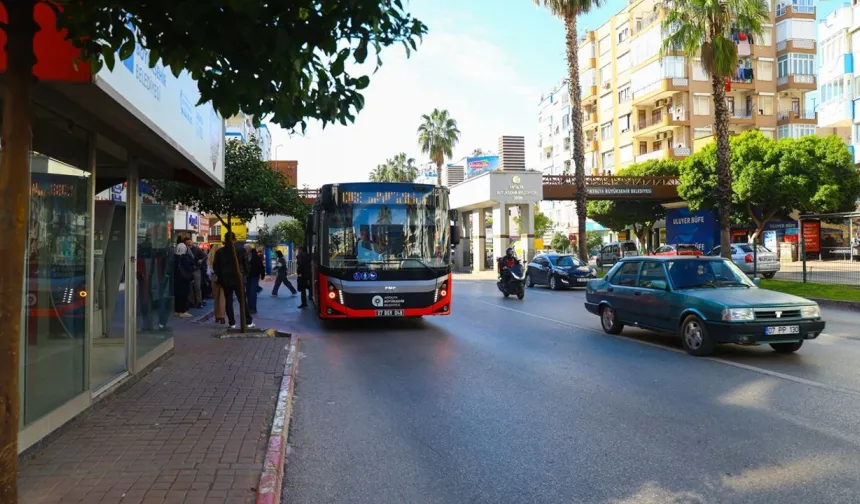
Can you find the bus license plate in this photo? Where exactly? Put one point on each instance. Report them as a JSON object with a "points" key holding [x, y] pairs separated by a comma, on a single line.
{"points": [[389, 313], [786, 329]]}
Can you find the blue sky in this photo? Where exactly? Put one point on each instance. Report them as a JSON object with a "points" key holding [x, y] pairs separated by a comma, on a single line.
{"points": [[485, 63]]}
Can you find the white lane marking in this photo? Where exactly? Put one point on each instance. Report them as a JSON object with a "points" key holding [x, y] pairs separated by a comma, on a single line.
{"points": [[775, 374]]}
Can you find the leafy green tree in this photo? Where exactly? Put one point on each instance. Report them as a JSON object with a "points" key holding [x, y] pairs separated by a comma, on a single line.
{"points": [[639, 215], [282, 60], [560, 242], [773, 178], [269, 238], [251, 187], [291, 231], [437, 136], [400, 168], [704, 28], [593, 239], [568, 11], [541, 221]]}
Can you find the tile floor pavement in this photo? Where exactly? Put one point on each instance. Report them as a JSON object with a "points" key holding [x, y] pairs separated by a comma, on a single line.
{"points": [[193, 430]]}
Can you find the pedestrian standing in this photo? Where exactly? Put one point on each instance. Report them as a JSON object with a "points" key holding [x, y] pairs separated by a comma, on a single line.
{"points": [[256, 272], [195, 296], [183, 268], [303, 268], [281, 275], [229, 278], [217, 292]]}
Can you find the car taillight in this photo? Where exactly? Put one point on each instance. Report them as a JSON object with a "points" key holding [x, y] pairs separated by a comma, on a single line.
{"points": [[748, 258]]}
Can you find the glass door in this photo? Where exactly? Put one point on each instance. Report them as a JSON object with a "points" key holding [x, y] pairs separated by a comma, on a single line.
{"points": [[109, 354]]}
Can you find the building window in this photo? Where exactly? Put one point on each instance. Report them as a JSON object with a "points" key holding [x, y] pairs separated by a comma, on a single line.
{"points": [[624, 123], [768, 133], [765, 105], [605, 45], [608, 159], [766, 38], [701, 105], [625, 154], [623, 31], [699, 73], [606, 103], [833, 91], [795, 64], [606, 131], [623, 63], [765, 70], [605, 74], [702, 132], [565, 122], [624, 94]]}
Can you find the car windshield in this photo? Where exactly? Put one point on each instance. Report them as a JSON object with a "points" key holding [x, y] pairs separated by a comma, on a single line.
{"points": [[566, 262], [706, 274], [628, 247]]}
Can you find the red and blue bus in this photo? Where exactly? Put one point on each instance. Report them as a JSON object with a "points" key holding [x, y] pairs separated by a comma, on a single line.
{"points": [[381, 249]]}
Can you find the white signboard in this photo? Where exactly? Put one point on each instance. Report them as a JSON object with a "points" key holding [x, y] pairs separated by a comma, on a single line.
{"points": [[169, 103], [526, 187]]}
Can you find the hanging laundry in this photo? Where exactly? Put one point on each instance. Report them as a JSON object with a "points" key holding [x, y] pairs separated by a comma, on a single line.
{"points": [[742, 36], [744, 46]]}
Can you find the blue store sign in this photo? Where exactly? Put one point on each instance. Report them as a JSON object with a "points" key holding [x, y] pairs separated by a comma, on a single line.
{"points": [[698, 228]]}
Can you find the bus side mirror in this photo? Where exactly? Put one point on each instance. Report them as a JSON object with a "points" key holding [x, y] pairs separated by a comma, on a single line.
{"points": [[455, 235]]}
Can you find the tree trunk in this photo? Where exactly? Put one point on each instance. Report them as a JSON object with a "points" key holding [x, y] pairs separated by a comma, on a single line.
{"points": [[439, 173], [578, 144], [14, 211], [724, 172]]}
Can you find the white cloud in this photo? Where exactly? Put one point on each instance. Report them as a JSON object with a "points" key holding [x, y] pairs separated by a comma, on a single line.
{"points": [[460, 72]]}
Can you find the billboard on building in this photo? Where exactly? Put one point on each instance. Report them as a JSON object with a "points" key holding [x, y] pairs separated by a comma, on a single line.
{"points": [[482, 164], [170, 103], [698, 228]]}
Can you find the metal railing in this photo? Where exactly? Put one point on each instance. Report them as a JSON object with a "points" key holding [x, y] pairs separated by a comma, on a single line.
{"points": [[742, 114], [796, 44], [828, 265], [784, 115]]}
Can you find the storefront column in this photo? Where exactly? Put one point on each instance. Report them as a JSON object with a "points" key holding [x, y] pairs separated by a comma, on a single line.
{"points": [[501, 230], [460, 250], [131, 215], [527, 233], [479, 219]]}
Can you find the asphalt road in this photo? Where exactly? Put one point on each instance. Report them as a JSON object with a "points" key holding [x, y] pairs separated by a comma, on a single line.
{"points": [[529, 402]]}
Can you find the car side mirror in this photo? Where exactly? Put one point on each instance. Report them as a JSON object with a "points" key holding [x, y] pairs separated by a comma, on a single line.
{"points": [[757, 282], [659, 285], [455, 235]]}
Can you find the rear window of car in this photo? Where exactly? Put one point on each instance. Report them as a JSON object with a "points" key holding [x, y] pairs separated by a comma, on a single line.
{"points": [[746, 249], [687, 248], [629, 247]]}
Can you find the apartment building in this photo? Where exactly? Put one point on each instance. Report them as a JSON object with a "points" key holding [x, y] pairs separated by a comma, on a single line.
{"points": [[637, 105], [555, 144]]}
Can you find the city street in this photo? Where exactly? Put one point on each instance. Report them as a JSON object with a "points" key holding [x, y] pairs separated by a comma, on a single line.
{"points": [[529, 401]]}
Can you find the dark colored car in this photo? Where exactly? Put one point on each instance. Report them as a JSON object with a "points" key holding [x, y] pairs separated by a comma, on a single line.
{"points": [[705, 300], [558, 271]]}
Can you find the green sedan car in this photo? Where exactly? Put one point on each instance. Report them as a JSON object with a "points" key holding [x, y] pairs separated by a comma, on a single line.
{"points": [[705, 300]]}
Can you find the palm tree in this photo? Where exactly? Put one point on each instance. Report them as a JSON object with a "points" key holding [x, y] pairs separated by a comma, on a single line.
{"points": [[380, 173], [403, 168], [705, 27], [568, 10], [437, 136]]}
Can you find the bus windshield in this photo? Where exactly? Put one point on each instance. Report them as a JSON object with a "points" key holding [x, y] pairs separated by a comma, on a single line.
{"points": [[407, 229]]}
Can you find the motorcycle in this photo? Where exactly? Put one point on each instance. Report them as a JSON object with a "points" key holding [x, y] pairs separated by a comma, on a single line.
{"points": [[513, 281]]}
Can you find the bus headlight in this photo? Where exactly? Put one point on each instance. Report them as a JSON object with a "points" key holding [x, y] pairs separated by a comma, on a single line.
{"points": [[334, 294], [441, 292]]}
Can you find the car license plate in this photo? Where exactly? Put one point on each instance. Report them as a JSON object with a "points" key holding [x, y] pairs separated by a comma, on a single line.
{"points": [[786, 329], [581, 280], [389, 313]]}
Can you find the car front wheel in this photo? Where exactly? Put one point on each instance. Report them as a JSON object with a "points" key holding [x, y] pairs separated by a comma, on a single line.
{"points": [[529, 281], [695, 337], [786, 347], [609, 321], [553, 282]]}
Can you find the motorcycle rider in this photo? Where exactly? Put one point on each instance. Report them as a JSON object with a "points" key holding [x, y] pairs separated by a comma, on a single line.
{"points": [[507, 262]]}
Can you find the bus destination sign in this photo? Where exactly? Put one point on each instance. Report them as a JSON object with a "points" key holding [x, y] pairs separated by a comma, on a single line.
{"points": [[382, 197]]}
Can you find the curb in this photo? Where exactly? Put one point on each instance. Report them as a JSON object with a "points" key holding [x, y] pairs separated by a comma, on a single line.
{"points": [[832, 303], [272, 478]]}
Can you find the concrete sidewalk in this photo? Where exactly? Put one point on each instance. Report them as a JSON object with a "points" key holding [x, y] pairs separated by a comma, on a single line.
{"points": [[193, 430]]}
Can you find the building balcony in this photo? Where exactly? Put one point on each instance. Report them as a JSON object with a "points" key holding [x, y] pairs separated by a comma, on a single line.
{"points": [[680, 152], [743, 80], [803, 46], [796, 81], [591, 145], [589, 93], [647, 20], [659, 120], [790, 117], [589, 118], [665, 153], [742, 117], [788, 10], [663, 88]]}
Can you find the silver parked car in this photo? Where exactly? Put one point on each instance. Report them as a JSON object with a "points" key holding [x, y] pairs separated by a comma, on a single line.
{"points": [[763, 261], [613, 252]]}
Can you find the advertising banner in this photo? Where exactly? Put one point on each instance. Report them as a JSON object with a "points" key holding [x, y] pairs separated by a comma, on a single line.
{"points": [[204, 226], [193, 222], [812, 236], [239, 229], [477, 165], [698, 228]]}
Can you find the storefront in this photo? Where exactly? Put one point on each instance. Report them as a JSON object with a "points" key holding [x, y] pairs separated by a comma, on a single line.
{"points": [[99, 305]]}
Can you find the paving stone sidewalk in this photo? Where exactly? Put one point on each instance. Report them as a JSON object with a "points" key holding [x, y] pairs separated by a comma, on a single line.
{"points": [[193, 430]]}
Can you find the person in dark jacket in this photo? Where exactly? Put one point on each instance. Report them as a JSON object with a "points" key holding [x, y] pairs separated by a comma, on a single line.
{"points": [[303, 267], [229, 279], [183, 267], [256, 272], [281, 275], [195, 298]]}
